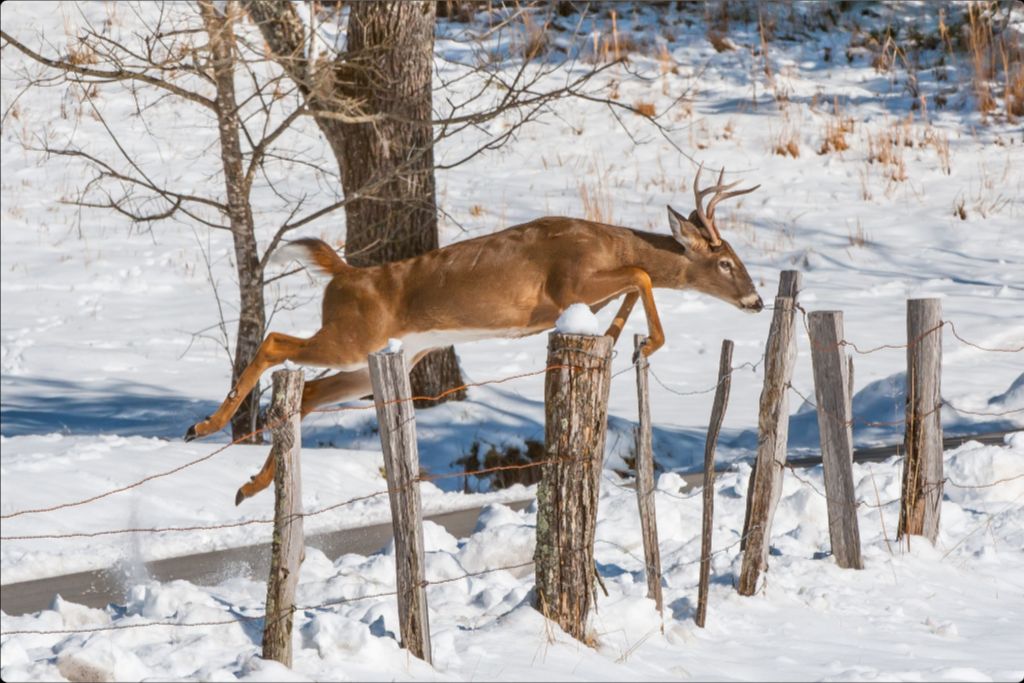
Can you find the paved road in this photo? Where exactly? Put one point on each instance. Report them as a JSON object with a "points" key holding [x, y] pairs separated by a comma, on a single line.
{"points": [[99, 588]]}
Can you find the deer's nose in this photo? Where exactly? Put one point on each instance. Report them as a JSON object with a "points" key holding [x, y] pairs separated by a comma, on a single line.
{"points": [[752, 303]]}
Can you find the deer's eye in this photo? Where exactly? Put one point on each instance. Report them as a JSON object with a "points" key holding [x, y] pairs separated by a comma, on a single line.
{"points": [[725, 265]]}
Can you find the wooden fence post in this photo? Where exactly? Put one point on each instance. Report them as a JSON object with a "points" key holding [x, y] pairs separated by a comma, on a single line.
{"points": [[832, 394], [645, 480], [288, 547], [921, 497], [575, 423], [717, 415], [789, 286], [772, 436], [396, 417]]}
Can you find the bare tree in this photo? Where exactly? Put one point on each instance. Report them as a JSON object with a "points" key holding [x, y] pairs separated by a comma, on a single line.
{"points": [[170, 61]]}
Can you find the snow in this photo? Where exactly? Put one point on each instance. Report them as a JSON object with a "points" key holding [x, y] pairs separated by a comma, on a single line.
{"points": [[110, 348], [578, 319], [948, 612]]}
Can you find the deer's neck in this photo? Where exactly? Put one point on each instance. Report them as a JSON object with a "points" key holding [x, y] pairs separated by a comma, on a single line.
{"points": [[661, 256]]}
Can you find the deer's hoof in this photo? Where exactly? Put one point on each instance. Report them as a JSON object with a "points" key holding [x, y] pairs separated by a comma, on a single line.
{"points": [[239, 497], [193, 433]]}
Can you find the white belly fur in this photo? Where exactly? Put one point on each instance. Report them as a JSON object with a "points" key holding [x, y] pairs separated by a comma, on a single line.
{"points": [[413, 344], [416, 342]]}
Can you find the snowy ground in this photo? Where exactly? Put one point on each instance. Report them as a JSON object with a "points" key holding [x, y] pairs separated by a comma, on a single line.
{"points": [[106, 359], [945, 613]]}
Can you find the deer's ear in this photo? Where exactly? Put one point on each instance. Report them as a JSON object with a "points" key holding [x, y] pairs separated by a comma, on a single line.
{"points": [[685, 232]]}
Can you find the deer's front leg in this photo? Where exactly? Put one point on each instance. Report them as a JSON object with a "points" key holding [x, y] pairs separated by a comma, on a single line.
{"points": [[615, 329], [636, 283]]}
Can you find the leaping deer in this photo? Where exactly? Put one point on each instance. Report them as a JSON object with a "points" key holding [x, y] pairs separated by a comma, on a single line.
{"points": [[510, 283]]}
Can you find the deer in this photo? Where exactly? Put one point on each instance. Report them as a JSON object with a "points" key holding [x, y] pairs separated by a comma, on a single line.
{"points": [[511, 283]]}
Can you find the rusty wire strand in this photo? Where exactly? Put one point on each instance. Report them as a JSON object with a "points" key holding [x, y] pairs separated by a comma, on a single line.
{"points": [[142, 481]]}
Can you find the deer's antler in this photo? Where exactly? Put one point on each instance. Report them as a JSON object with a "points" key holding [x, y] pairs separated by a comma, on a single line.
{"points": [[707, 218]]}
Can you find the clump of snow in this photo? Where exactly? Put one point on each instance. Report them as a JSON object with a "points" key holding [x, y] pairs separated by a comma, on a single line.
{"points": [[394, 345], [578, 319]]}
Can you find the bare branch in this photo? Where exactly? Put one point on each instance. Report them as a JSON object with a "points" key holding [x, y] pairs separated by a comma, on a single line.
{"points": [[108, 76]]}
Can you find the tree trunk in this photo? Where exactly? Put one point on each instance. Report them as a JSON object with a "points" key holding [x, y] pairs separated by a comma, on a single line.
{"points": [[374, 107], [252, 314], [391, 48]]}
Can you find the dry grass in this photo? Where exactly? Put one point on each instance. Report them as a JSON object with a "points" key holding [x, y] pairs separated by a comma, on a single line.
{"points": [[720, 41], [837, 127], [476, 211], [787, 141], [614, 46], [533, 38], [597, 202], [886, 148], [644, 108], [82, 53], [858, 236], [595, 195], [1013, 91], [960, 209], [990, 52], [865, 189], [940, 143], [982, 57]]}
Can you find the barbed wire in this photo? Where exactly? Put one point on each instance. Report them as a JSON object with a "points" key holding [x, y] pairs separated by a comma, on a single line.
{"points": [[925, 488], [268, 427], [142, 481], [854, 420], [238, 618], [909, 344], [952, 328], [210, 527], [752, 365]]}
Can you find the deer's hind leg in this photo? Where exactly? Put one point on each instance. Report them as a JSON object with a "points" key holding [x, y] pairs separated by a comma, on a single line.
{"points": [[343, 386], [275, 349]]}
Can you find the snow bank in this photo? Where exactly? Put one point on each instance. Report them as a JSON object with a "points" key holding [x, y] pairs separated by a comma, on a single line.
{"points": [[948, 612]]}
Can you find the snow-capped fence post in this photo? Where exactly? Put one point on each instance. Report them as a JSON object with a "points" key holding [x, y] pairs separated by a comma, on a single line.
{"points": [[773, 434], [645, 479], [396, 417], [288, 547], [575, 422], [717, 415], [921, 496], [832, 394]]}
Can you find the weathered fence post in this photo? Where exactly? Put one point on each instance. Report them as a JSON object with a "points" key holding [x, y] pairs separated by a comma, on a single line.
{"points": [[396, 417], [832, 394], [645, 479], [717, 415], [575, 422], [288, 547], [921, 497], [772, 436], [789, 286]]}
